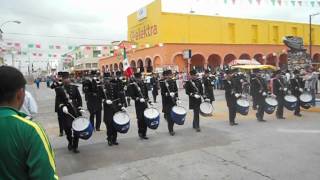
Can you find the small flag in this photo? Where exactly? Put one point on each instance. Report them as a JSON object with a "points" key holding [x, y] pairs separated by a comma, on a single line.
{"points": [[88, 47], [312, 3], [58, 47], [40, 54], [9, 44], [300, 3], [279, 2], [70, 47], [17, 44], [319, 3], [273, 2], [30, 45], [24, 53], [51, 47], [49, 55], [293, 3], [38, 46], [126, 66], [258, 1], [34, 54]]}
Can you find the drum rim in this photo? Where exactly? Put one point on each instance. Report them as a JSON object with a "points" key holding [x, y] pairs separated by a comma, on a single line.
{"points": [[205, 103], [274, 99], [77, 119], [120, 112], [181, 108], [244, 100], [306, 94], [296, 99], [144, 113]]}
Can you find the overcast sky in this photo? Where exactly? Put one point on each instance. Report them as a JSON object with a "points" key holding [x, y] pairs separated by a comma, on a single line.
{"points": [[101, 21]]}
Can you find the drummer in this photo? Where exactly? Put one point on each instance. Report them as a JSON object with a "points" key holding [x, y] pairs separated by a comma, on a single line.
{"points": [[279, 89], [114, 101], [140, 96], [231, 96], [296, 87], [259, 90], [70, 102], [194, 90], [207, 81], [169, 93]]}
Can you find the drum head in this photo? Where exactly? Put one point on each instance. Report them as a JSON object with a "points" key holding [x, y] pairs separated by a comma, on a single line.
{"points": [[305, 97], [179, 110], [206, 108], [121, 118], [271, 101], [80, 124], [151, 113], [290, 98], [243, 102]]}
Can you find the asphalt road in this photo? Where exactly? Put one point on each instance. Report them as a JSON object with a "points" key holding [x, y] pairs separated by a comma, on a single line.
{"points": [[278, 149]]}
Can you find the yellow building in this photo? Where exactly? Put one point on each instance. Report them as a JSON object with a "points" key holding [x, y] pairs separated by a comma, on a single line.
{"points": [[214, 40]]}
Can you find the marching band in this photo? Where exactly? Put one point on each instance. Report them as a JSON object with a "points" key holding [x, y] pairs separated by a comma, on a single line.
{"points": [[113, 94]]}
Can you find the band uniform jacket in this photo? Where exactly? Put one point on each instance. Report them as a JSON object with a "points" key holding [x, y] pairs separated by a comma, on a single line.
{"points": [[94, 98], [278, 87], [230, 92], [208, 88], [167, 101], [295, 84], [155, 85], [259, 86], [114, 91], [194, 87]]}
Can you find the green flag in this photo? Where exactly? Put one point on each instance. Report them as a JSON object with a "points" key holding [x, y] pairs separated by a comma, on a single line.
{"points": [[70, 47], [51, 47], [30, 45], [273, 2]]}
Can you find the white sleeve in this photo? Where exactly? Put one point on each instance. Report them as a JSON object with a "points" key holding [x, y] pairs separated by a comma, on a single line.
{"points": [[32, 106]]}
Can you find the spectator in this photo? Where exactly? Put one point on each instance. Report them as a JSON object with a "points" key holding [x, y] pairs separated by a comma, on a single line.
{"points": [[29, 106], [25, 150]]}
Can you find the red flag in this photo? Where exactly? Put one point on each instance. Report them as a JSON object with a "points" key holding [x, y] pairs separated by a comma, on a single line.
{"points": [[54, 55], [17, 44], [58, 47], [233, 1], [126, 66], [38, 46], [279, 1], [34, 54], [259, 1]]}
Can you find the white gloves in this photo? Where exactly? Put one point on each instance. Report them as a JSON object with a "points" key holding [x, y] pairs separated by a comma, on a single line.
{"points": [[196, 96], [108, 101], [274, 96], [142, 100], [172, 94], [178, 102], [237, 95], [241, 80], [285, 89], [82, 111], [123, 109], [264, 94], [65, 110], [207, 100], [300, 89]]}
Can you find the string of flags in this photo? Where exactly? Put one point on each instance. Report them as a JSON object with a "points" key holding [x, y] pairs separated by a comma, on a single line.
{"points": [[292, 3]]}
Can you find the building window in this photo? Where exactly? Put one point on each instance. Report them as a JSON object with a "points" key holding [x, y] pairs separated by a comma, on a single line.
{"points": [[94, 65], [231, 32], [294, 31], [254, 31], [88, 65], [96, 53], [275, 34]]}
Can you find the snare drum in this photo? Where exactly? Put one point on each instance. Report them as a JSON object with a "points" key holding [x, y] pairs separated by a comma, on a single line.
{"points": [[305, 100], [82, 128], [152, 117], [243, 106], [270, 105], [178, 114], [121, 122], [290, 102], [206, 109]]}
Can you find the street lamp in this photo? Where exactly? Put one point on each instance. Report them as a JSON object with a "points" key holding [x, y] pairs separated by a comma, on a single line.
{"points": [[6, 22], [310, 33]]}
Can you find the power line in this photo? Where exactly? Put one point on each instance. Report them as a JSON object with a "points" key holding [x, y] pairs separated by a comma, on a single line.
{"points": [[55, 36]]}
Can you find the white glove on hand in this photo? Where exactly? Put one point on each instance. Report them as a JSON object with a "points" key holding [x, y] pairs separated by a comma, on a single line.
{"points": [[65, 109], [300, 89], [82, 111], [237, 95], [285, 89], [178, 102], [207, 100], [123, 109], [264, 94], [108, 101], [142, 100], [197, 96], [274, 96], [172, 94]]}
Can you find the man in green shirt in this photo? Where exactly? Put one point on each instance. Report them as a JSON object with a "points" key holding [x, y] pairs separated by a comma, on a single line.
{"points": [[25, 151]]}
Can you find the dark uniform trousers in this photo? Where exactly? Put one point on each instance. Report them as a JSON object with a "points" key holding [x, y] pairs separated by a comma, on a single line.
{"points": [[279, 112], [196, 115], [142, 126], [231, 100], [96, 114], [60, 121], [261, 104], [109, 111], [167, 116]]}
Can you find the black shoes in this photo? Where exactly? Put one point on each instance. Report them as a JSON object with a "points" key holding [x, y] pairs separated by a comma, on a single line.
{"points": [[69, 146], [172, 133], [198, 129], [281, 117], [110, 143], [299, 115], [115, 143], [76, 151], [262, 120], [233, 124]]}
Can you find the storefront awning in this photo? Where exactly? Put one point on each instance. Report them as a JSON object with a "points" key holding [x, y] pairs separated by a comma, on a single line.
{"points": [[249, 67], [243, 62]]}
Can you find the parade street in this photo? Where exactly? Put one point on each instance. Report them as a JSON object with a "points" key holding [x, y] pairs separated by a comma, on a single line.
{"points": [[277, 149]]}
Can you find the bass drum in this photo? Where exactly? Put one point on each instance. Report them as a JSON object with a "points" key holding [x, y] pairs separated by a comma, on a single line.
{"points": [[121, 122], [206, 109], [82, 128], [178, 114], [152, 117], [270, 105], [290, 102], [243, 106], [305, 100]]}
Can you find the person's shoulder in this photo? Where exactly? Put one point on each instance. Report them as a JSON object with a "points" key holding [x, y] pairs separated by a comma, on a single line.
{"points": [[24, 123]]}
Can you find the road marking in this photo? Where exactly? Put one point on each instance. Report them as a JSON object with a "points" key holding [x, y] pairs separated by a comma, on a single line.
{"points": [[307, 131]]}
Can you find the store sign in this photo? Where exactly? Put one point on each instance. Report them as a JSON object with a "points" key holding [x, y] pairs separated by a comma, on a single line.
{"points": [[142, 13], [143, 32]]}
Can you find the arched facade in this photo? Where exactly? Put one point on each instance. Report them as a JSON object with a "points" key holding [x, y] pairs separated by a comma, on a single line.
{"points": [[156, 62], [244, 56], [121, 66], [214, 61], [181, 63], [197, 62], [140, 65], [228, 58], [148, 65], [111, 67], [271, 59], [115, 67], [259, 58], [133, 65]]}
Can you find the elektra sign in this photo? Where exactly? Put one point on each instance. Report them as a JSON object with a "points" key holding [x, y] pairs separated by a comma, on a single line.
{"points": [[144, 32]]}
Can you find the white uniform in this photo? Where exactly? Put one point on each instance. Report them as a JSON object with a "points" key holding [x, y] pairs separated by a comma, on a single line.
{"points": [[29, 106]]}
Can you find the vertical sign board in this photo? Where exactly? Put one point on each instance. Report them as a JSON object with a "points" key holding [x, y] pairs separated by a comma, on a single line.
{"points": [[187, 54], [142, 13]]}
